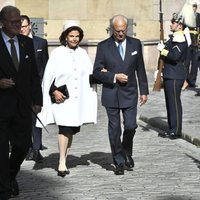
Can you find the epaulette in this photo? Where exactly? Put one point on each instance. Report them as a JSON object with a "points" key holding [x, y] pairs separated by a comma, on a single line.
{"points": [[179, 37]]}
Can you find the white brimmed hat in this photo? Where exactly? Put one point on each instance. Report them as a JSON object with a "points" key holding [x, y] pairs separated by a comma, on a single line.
{"points": [[69, 23]]}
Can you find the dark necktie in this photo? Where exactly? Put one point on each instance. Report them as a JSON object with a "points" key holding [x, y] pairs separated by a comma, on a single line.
{"points": [[14, 54], [120, 49]]}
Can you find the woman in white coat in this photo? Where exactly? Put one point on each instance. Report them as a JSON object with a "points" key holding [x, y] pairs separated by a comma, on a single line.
{"points": [[68, 65]]}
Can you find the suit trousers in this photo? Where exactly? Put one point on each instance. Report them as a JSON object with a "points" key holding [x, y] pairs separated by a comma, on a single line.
{"points": [[125, 146], [172, 90], [36, 135], [16, 131], [191, 65]]}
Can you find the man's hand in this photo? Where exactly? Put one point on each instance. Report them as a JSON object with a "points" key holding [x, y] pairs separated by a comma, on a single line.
{"points": [[6, 83], [122, 78], [36, 108], [104, 70], [143, 99]]}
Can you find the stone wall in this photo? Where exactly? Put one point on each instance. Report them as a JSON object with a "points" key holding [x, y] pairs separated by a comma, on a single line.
{"points": [[94, 16]]}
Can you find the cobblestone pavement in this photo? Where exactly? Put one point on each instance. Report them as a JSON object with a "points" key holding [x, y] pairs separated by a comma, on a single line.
{"points": [[164, 169]]}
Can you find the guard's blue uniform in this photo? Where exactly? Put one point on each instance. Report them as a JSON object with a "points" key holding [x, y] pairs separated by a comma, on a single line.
{"points": [[174, 55]]}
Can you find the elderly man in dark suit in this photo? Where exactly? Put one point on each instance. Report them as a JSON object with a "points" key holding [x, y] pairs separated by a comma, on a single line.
{"points": [[42, 56], [121, 72], [20, 93]]}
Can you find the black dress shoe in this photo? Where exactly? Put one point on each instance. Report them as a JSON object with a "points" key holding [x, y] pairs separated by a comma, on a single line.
{"points": [[193, 85], [197, 94], [119, 170], [29, 155], [169, 135], [42, 147], [174, 136], [129, 162], [37, 157], [63, 173], [14, 187], [164, 135]]}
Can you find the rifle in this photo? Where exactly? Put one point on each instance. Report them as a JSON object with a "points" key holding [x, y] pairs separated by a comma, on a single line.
{"points": [[158, 81]]}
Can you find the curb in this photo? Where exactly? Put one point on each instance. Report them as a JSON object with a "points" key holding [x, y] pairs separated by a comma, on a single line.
{"points": [[162, 125]]}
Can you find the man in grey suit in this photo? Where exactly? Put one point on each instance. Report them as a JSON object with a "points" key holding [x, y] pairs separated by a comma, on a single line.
{"points": [[42, 56], [120, 67]]}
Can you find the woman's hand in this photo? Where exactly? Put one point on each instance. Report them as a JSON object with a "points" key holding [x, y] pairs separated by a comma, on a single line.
{"points": [[59, 96]]}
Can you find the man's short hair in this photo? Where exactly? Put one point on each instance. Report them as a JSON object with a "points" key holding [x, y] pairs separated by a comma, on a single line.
{"points": [[7, 9], [25, 17]]}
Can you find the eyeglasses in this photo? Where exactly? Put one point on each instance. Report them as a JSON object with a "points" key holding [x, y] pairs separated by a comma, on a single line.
{"points": [[120, 31], [25, 26]]}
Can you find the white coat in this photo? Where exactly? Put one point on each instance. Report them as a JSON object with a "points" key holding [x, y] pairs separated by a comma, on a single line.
{"points": [[70, 67]]}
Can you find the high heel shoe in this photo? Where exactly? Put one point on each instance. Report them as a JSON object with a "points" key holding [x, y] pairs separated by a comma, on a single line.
{"points": [[63, 173]]}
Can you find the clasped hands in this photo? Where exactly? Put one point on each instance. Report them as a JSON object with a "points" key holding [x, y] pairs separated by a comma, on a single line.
{"points": [[160, 46], [123, 78]]}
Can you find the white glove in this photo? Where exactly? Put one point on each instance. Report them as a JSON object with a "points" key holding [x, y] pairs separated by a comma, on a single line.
{"points": [[160, 46]]}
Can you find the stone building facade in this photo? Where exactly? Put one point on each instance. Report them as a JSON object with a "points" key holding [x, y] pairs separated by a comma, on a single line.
{"points": [[94, 17]]}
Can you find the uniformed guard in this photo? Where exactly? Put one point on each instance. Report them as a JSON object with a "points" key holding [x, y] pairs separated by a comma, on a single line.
{"points": [[174, 53]]}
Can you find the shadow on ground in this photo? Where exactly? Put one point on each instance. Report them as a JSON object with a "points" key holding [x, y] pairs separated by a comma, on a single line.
{"points": [[175, 197], [196, 161], [197, 90], [158, 122], [100, 158]]}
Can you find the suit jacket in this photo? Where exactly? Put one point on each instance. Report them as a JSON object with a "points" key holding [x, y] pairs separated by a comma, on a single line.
{"points": [[41, 54], [27, 90], [107, 56], [174, 61], [198, 20]]}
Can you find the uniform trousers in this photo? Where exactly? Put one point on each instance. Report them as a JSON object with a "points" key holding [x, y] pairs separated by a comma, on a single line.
{"points": [[125, 146], [14, 130], [192, 64], [172, 90]]}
